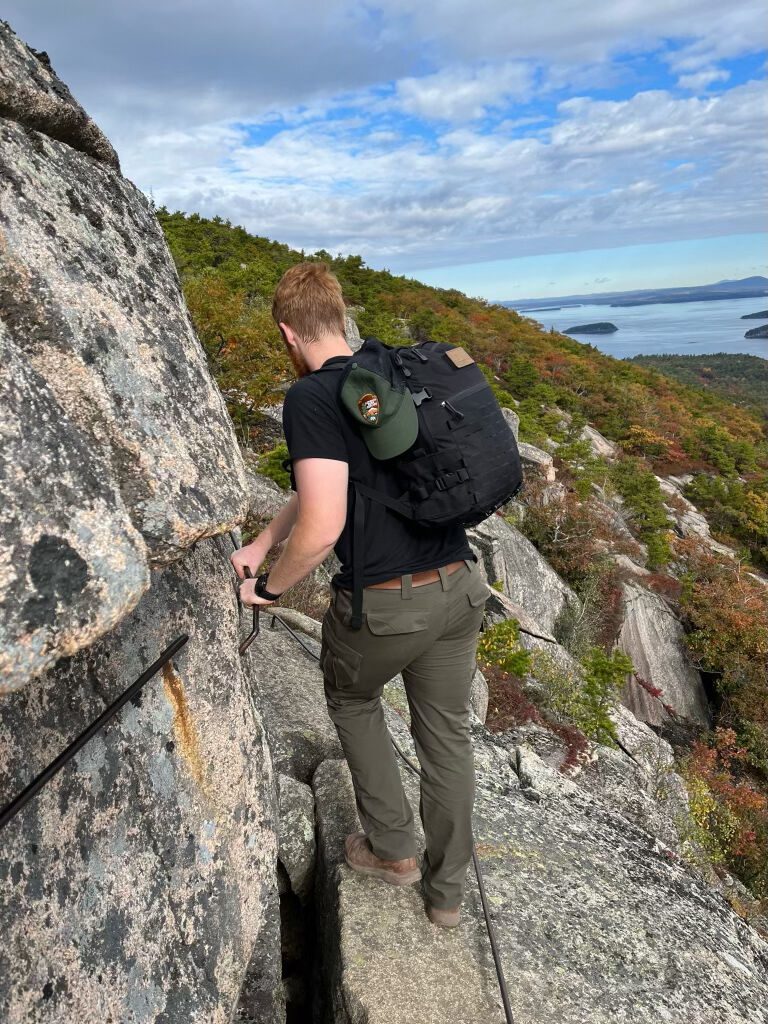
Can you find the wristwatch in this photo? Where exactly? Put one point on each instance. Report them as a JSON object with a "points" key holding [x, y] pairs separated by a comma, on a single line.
{"points": [[260, 588]]}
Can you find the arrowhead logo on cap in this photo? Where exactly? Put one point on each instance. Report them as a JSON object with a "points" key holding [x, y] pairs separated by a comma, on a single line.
{"points": [[384, 410], [368, 404]]}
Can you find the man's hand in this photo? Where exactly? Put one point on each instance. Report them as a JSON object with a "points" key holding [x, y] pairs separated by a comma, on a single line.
{"points": [[248, 595], [250, 557]]}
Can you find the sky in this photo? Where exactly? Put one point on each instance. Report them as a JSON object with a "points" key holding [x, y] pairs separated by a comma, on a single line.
{"points": [[505, 148]]}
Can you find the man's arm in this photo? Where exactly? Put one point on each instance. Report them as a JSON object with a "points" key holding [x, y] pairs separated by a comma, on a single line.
{"points": [[321, 491], [253, 554]]}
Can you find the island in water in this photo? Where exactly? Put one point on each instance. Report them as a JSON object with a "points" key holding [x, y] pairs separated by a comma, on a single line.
{"points": [[601, 327], [762, 315]]}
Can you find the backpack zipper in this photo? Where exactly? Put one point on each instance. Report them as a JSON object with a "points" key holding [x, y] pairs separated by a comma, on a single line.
{"points": [[448, 403]]}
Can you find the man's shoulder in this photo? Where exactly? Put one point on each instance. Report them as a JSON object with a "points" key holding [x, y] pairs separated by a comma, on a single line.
{"points": [[316, 392], [315, 386]]}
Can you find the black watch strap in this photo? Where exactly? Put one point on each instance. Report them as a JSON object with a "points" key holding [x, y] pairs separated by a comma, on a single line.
{"points": [[261, 588]]}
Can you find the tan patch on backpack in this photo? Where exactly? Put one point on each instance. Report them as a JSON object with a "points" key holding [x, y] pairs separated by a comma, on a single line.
{"points": [[459, 356]]}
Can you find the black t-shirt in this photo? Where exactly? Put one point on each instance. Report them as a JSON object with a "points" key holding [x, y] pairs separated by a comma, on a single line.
{"points": [[317, 426]]}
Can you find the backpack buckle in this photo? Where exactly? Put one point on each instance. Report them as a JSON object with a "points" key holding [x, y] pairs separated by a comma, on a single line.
{"points": [[420, 396]]}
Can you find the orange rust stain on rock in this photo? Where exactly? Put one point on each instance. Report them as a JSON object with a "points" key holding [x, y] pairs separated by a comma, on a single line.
{"points": [[187, 740]]}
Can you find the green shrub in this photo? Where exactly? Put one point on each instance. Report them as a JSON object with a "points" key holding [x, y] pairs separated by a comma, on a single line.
{"points": [[500, 645], [270, 465], [640, 490], [585, 697]]}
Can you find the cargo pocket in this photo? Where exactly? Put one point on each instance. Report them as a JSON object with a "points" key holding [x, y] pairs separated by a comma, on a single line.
{"points": [[396, 620], [339, 662], [477, 593]]}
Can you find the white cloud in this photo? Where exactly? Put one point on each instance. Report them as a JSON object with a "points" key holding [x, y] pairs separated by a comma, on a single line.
{"points": [[619, 172], [701, 80], [465, 93], [289, 118]]}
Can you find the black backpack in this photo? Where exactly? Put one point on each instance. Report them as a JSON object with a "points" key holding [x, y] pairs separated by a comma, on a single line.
{"points": [[464, 463]]}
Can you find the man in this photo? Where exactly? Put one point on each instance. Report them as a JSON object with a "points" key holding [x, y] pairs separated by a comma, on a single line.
{"points": [[423, 603]]}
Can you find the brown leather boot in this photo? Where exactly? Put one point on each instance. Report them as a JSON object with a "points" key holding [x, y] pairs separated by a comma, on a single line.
{"points": [[360, 857], [443, 918]]}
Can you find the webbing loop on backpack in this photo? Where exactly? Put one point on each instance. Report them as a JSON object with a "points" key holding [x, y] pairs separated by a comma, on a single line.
{"points": [[442, 483]]}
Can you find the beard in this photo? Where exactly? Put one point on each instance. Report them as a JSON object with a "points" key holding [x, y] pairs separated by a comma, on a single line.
{"points": [[298, 361]]}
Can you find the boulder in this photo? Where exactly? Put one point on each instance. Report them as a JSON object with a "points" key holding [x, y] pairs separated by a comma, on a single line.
{"points": [[534, 458], [116, 450], [513, 420], [265, 498], [625, 562], [352, 333], [601, 446], [527, 579], [652, 636], [296, 851], [149, 860]]}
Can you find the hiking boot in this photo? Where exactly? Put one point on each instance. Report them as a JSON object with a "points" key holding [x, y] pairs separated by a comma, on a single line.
{"points": [[443, 918], [360, 857]]}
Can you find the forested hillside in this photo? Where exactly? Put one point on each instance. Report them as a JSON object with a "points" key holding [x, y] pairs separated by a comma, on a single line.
{"points": [[715, 450], [738, 377]]}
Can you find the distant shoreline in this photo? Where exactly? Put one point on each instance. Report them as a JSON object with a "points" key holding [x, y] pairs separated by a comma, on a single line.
{"points": [[686, 298], [746, 288]]}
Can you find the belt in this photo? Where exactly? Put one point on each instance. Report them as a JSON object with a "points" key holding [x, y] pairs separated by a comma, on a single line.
{"points": [[418, 578]]}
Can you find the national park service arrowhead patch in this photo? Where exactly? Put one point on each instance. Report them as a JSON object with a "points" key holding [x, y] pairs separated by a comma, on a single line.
{"points": [[368, 404]]}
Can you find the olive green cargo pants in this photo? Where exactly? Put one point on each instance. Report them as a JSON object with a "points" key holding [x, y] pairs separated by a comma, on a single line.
{"points": [[429, 633]]}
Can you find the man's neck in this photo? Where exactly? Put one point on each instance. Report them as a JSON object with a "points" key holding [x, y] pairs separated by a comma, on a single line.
{"points": [[326, 346]]}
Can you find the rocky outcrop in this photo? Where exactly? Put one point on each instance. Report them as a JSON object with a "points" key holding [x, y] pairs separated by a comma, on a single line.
{"points": [[526, 578], [537, 460], [149, 860], [116, 449], [301, 733], [352, 333], [32, 95], [571, 882], [689, 522], [139, 884], [757, 332], [513, 420], [601, 446], [651, 634]]}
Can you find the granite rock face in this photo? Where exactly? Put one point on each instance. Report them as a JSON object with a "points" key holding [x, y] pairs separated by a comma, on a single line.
{"points": [[652, 635], [116, 451], [601, 446], [301, 734], [597, 920], [140, 882], [527, 579]]}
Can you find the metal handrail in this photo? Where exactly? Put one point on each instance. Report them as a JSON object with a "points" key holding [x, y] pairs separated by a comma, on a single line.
{"points": [[12, 809]]}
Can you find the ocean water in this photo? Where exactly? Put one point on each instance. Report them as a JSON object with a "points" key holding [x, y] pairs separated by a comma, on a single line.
{"points": [[687, 328]]}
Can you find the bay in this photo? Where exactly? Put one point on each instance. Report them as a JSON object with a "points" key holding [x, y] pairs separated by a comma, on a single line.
{"points": [[686, 328]]}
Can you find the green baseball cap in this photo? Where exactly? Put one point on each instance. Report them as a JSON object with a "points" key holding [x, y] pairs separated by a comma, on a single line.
{"points": [[386, 412]]}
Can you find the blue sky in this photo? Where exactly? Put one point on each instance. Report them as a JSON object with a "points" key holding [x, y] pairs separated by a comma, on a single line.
{"points": [[506, 149]]}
